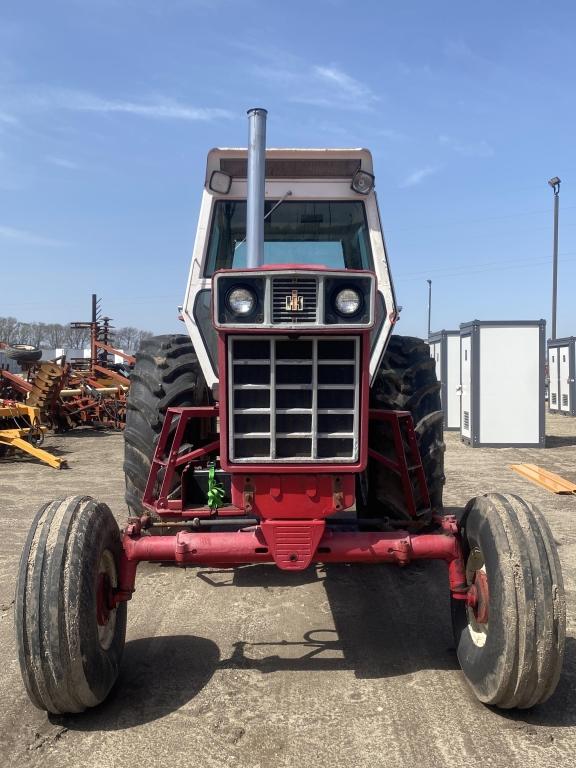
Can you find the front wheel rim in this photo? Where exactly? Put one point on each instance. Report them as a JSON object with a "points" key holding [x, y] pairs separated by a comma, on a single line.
{"points": [[477, 602], [107, 581]]}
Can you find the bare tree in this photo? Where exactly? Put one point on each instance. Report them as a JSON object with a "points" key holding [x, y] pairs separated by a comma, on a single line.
{"points": [[76, 338], [126, 337], [37, 334], [23, 333], [129, 338], [8, 329], [142, 336], [55, 335]]}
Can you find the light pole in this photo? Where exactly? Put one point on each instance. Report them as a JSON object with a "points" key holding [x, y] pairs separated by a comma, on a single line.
{"points": [[429, 304], [555, 184]]}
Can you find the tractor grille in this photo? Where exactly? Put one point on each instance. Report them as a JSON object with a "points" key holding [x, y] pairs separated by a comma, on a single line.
{"points": [[294, 300], [294, 400]]}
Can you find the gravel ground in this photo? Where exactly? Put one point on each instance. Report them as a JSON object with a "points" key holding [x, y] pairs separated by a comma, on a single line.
{"points": [[255, 667]]}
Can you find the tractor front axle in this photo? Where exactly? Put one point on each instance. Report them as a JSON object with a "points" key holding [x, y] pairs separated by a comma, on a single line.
{"points": [[293, 545]]}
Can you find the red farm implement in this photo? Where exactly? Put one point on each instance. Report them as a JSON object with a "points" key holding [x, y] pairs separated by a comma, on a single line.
{"points": [[87, 391]]}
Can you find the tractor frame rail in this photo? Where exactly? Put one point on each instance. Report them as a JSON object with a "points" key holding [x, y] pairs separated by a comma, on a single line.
{"points": [[248, 532]]}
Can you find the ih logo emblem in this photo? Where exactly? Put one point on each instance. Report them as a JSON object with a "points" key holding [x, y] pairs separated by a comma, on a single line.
{"points": [[294, 303]]}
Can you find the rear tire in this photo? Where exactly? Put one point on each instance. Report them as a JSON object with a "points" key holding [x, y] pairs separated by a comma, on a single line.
{"points": [[406, 381], [166, 374], [513, 656], [69, 656], [23, 353]]}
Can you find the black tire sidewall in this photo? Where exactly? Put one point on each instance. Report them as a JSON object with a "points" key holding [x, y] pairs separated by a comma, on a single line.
{"points": [[23, 355], [96, 530], [488, 667]]}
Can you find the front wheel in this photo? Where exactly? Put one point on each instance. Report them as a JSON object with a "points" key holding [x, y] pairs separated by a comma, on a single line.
{"points": [[510, 635], [70, 639]]}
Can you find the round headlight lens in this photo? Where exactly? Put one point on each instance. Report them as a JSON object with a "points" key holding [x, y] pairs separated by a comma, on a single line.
{"points": [[241, 301], [348, 301]]}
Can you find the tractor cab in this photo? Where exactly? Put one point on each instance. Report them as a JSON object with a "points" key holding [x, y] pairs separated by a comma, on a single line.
{"points": [[320, 216]]}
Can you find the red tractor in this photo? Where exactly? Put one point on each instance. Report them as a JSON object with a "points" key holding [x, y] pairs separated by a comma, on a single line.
{"points": [[289, 426]]}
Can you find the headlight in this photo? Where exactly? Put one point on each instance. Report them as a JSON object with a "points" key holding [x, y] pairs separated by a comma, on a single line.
{"points": [[348, 301], [241, 301]]}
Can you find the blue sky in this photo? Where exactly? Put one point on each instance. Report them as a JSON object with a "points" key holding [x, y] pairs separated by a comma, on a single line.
{"points": [[108, 107]]}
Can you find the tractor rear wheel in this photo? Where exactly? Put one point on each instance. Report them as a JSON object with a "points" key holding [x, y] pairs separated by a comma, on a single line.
{"points": [[70, 639], [510, 640], [166, 374], [406, 381], [23, 353]]}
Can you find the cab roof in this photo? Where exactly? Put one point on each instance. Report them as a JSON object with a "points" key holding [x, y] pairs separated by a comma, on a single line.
{"points": [[293, 163]]}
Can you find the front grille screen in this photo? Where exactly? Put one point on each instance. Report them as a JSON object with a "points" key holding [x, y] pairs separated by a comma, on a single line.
{"points": [[294, 300], [294, 400]]}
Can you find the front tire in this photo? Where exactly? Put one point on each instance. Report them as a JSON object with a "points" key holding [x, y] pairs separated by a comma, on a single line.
{"points": [[70, 643], [511, 644]]}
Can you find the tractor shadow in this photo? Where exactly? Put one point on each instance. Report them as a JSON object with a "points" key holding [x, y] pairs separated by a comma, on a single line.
{"points": [[387, 622], [158, 676], [377, 622], [85, 432]]}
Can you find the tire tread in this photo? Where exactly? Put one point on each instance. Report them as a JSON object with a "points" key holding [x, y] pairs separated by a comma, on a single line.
{"points": [[530, 594]]}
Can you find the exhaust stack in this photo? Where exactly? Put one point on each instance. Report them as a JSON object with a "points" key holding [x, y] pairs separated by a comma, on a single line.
{"points": [[256, 180]]}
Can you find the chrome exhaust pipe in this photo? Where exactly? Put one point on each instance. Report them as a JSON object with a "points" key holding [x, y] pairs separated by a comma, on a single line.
{"points": [[256, 188]]}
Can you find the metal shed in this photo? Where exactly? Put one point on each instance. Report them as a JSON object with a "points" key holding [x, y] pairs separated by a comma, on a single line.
{"points": [[502, 380], [445, 350], [7, 364], [562, 375]]}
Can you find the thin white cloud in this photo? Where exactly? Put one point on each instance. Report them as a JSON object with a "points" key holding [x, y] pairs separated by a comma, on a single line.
{"points": [[344, 82], [418, 176], [325, 102], [163, 109], [154, 107], [63, 162], [332, 88], [479, 148], [326, 86], [25, 237]]}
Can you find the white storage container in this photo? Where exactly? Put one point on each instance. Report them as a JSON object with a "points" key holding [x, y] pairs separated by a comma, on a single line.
{"points": [[502, 380], [7, 364], [445, 350], [562, 375]]}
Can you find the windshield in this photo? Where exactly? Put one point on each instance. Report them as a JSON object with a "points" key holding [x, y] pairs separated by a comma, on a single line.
{"points": [[331, 233]]}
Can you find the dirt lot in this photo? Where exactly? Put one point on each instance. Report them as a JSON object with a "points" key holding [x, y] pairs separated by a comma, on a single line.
{"points": [[254, 667]]}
